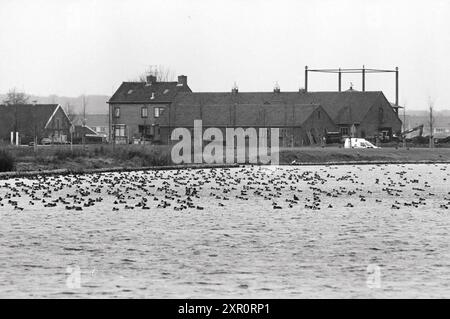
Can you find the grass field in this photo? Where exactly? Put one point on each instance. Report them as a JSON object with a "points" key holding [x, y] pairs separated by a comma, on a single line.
{"points": [[335, 154], [78, 158]]}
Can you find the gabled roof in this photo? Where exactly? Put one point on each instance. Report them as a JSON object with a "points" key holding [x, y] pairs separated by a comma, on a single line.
{"points": [[29, 118], [80, 129], [28, 113], [92, 120], [142, 92], [348, 106]]}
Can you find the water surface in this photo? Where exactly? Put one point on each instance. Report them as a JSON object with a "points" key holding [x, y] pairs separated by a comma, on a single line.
{"points": [[245, 234]]}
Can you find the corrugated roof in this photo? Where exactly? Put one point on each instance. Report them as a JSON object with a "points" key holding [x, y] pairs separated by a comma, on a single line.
{"points": [[142, 92]]}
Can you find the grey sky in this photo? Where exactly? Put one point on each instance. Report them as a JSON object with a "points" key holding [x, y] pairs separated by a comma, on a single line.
{"points": [[69, 47]]}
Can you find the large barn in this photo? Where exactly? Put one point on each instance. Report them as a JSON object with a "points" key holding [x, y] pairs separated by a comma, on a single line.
{"points": [[304, 118], [299, 123], [33, 122], [150, 111]]}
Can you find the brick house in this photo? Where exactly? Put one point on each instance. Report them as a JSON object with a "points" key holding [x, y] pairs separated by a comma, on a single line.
{"points": [[97, 122], [135, 105], [33, 122], [93, 127]]}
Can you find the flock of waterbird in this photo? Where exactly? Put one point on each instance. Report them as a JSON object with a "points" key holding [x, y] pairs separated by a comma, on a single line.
{"points": [[272, 187]]}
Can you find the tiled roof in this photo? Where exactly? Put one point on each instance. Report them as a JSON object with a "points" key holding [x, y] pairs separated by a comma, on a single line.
{"points": [[92, 120], [243, 115], [342, 107], [142, 92]]}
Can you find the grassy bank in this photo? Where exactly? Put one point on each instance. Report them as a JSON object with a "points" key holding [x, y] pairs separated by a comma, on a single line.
{"points": [[324, 155], [79, 158], [89, 157]]}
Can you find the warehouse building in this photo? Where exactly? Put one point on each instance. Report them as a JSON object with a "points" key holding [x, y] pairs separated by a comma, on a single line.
{"points": [[150, 111]]}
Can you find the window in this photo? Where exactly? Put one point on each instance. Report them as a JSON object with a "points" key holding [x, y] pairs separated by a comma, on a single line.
{"points": [[344, 131], [144, 112], [119, 130], [318, 115], [157, 111], [117, 112], [145, 130]]}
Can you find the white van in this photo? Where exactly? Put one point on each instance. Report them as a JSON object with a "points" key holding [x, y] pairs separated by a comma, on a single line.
{"points": [[358, 143]]}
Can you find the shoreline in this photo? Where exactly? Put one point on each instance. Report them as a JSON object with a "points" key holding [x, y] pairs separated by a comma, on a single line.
{"points": [[66, 171], [54, 161]]}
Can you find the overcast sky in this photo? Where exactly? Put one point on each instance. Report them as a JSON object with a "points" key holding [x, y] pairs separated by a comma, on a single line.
{"points": [[69, 47]]}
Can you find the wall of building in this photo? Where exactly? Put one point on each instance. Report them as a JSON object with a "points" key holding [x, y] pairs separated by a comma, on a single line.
{"points": [[374, 121], [59, 128], [31, 124], [295, 130], [130, 115]]}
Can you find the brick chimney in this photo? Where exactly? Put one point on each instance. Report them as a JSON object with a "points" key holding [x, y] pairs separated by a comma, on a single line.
{"points": [[151, 79], [235, 88], [182, 80], [276, 88]]}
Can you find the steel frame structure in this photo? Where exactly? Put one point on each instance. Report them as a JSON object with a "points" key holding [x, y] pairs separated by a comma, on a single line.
{"points": [[363, 72]]}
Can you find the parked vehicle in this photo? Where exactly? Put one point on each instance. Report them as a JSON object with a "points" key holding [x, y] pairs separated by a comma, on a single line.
{"points": [[46, 141], [358, 143]]}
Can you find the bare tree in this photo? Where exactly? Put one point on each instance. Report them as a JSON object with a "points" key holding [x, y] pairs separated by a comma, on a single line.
{"points": [[161, 72], [70, 111], [14, 97], [84, 104]]}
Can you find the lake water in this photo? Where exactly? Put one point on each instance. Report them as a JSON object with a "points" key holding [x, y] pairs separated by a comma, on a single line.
{"points": [[256, 232]]}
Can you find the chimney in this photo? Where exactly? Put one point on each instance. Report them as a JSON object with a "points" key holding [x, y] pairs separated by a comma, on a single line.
{"points": [[235, 88], [276, 88], [151, 79], [182, 80]]}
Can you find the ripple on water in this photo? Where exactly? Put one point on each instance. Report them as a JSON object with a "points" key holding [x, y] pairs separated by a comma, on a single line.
{"points": [[242, 248]]}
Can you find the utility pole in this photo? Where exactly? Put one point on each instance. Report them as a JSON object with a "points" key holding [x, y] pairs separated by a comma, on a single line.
{"points": [[306, 78], [15, 124], [404, 125], [431, 124], [84, 123]]}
